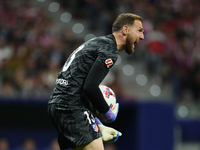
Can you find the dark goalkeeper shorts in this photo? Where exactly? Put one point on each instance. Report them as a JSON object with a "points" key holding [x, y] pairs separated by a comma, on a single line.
{"points": [[75, 126]]}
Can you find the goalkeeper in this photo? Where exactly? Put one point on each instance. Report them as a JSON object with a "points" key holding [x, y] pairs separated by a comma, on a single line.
{"points": [[78, 82]]}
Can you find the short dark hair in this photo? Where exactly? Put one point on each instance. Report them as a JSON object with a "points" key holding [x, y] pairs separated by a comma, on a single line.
{"points": [[124, 19]]}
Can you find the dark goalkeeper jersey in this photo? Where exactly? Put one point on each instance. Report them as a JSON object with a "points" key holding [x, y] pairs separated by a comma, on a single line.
{"points": [[70, 81]]}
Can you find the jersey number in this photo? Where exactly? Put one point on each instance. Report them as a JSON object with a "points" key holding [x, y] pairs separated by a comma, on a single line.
{"points": [[91, 120], [68, 63]]}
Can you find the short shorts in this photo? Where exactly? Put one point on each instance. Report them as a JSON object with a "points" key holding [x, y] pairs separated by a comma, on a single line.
{"points": [[75, 126]]}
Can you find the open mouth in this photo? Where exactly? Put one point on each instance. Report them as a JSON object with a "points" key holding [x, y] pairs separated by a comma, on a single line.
{"points": [[136, 42]]}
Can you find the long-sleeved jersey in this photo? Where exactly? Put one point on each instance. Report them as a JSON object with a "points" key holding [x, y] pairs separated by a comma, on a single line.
{"points": [[83, 71]]}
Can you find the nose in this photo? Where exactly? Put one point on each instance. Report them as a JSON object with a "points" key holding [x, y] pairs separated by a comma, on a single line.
{"points": [[142, 36]]}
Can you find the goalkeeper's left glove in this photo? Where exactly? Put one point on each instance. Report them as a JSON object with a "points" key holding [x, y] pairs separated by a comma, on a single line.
{"points": [[109, 135]]}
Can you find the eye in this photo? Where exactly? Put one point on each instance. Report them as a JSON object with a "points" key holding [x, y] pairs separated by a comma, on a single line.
{"points": [[140, 30]]}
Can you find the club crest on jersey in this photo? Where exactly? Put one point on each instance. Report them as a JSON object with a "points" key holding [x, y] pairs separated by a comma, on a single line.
{"points": [[95, 127], [109, 62]]}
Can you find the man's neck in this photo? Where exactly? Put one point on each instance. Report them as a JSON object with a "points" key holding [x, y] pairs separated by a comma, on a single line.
{"points": [[120, 40]]}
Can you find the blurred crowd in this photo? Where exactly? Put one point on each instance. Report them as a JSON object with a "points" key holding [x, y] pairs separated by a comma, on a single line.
{"points": [[32, 52]]}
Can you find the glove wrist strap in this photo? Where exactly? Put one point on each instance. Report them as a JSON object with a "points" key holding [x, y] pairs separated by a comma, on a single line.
{"points": [[98, 122]]}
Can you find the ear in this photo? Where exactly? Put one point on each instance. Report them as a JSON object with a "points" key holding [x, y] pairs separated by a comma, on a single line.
{"points": [[125, 29]]}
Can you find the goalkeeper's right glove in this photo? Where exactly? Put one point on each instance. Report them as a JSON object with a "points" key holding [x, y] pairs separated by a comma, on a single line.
{"points": [[109, 135]]}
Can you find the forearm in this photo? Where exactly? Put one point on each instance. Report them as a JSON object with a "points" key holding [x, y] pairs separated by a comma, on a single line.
{"points": [[96, 98], [91, 88], [94, 94]]}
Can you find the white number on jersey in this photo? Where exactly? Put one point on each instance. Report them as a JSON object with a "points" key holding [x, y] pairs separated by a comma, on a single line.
{"points": [[67, 64]]}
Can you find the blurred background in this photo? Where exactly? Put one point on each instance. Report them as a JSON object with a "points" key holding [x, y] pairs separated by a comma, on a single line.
{"points": [[158, 87]]}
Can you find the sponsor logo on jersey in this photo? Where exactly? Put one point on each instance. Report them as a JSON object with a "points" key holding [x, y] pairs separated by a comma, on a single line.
{"points": [[109, 62], [62, 81]]}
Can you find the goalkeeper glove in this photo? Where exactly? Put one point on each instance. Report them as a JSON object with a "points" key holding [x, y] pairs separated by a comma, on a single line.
{"points": [[109, 135], [111, 114]]}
